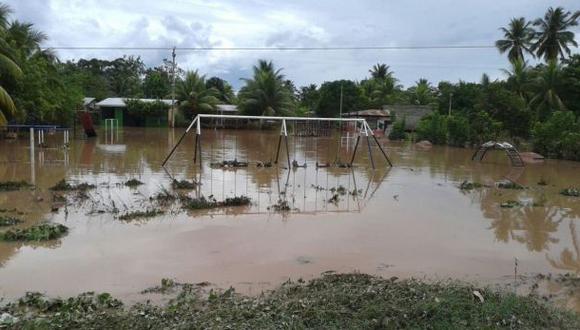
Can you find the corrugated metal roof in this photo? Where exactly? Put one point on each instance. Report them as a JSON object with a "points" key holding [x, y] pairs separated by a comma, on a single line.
{"points": [[368, 113], [226, 108], [119, 102], [88, 100]]}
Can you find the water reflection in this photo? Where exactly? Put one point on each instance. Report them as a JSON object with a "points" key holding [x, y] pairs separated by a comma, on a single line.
{"points": [[569, 258]]}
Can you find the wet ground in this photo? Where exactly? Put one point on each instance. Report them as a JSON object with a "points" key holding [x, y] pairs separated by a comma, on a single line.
{"points": [[409, 220]]}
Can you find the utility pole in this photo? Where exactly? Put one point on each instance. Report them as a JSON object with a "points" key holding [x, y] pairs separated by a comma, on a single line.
{"points": [[450, 102], [173, 88]]}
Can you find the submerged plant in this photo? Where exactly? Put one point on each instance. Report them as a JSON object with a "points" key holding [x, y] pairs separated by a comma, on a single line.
{"points": [[509, 185], [280, 206], [202, 202], [140, 214], [133, 183], [9, 221], [468, 185], [183, 184], [510, 204], [42, 232], [62, 185], [13, 185], [572, 192]]}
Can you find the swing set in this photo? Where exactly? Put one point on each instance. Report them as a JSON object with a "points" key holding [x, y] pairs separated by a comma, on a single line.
{"points": [[363, 131]]}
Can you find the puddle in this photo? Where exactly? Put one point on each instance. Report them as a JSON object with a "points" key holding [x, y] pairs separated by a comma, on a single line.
{"points": [[410, 220]]}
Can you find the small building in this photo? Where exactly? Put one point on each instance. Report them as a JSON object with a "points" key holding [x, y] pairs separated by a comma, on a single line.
{"points": [[226, 109], [376, 118], [412, 113], [115, 108], [89, 103]]}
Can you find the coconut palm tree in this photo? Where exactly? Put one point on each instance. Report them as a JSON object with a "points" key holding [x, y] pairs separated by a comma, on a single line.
{"points": [[266, 93], [518, 37], [422, 93], [554, 35], [193, 95], [548, 85], [381, 71], [8, 66], [519, 78]]}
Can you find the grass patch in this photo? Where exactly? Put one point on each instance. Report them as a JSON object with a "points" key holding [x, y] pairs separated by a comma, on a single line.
{"points": [[13, 185], [334, 301], [42, 232], [133, 183], [183, 184], [468, 185], [9, 221], [62, 185], [202, 203], [509, 185], [140, 215], [571, 192]]}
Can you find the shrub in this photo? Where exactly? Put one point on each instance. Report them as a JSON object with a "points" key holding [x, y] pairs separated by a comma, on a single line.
{"points": [[558, 137], [42, 232], [433, 128], [398, 131], [458, 130]]}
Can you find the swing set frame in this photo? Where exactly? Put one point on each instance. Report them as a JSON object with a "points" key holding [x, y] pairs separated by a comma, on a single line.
{"points": [[365, 131]]}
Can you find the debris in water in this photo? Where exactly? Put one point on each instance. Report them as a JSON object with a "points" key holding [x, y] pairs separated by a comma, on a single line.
{"points": [[201, 203], [229, 164], [42, 232], [542, 182], [13, 185], [183, 184], [468, 185], [510, 204], [509, 185], [264, 164], [572, 192], [280, 206], [9, 221], [140, 214], [133, 183], [62, 185]]}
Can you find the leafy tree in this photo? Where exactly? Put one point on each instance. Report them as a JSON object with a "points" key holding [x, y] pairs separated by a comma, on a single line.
{"points": [[517, 40], [266, 93], [8, 68], [329, 102], [558, 137], [422, 93], [554, 35], [571, 82], [519, 79], [157, 83], [308, 97], [194, 96], [458, 130], [547, 90], [225, 90]]}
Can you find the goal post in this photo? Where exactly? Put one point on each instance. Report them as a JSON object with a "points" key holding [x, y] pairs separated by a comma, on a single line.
{"points": [[364, 130]]}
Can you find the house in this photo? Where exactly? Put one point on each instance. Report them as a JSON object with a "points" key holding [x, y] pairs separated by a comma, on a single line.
{"points": [[116, 108], [226, 109], [412, 114], [377, 119], [89, 103]]}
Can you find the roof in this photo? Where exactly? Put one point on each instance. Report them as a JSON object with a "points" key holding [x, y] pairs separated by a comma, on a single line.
{"points": [[88, 100], [226, 108], [119, 102], [368, 113], [411, 113]]}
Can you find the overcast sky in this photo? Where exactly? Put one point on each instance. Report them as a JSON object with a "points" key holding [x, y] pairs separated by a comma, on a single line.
{"points": [[304, 23]]}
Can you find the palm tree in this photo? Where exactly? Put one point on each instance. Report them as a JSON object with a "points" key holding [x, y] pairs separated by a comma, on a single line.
{"points": [[266, 93], [8, 66], [554, 37], [193, 95], [518, 37], [519, 78], [548, 85], [422, 93], [381, 71]]}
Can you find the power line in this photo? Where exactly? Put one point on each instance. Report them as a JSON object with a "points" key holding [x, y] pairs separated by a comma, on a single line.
{"points": [[331, 48]]}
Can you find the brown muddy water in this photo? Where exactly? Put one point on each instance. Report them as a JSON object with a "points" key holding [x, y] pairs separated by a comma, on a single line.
{"points": [[410, 220]]}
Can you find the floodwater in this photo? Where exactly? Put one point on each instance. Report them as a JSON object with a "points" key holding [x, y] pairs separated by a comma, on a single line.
{"points": [[408, 220]]}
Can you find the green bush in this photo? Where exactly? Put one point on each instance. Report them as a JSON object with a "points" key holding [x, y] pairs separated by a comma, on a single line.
{"points": [[558, 137], [433, 128], [458, 130], [140, 108], [398, 131]]}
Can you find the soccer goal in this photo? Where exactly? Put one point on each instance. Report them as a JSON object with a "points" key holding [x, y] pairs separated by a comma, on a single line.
{"points": [[310, 125]]}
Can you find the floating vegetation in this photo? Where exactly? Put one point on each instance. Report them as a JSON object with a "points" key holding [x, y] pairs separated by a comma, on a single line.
{"points": [[280, 206], [468, 185], [202, 203], [334, 199], [542, 182], [295, 164], [509, 185], [510, 204], [340, 190], [140, 215], [264, 164], [13, 185], [167, 285], [183, 184], [133, 183], [62, 185], [164, 197], [42, 232], [333, 301], [9, 221], [317, 188], [58, 198], [229, 164], [572, 192]]}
